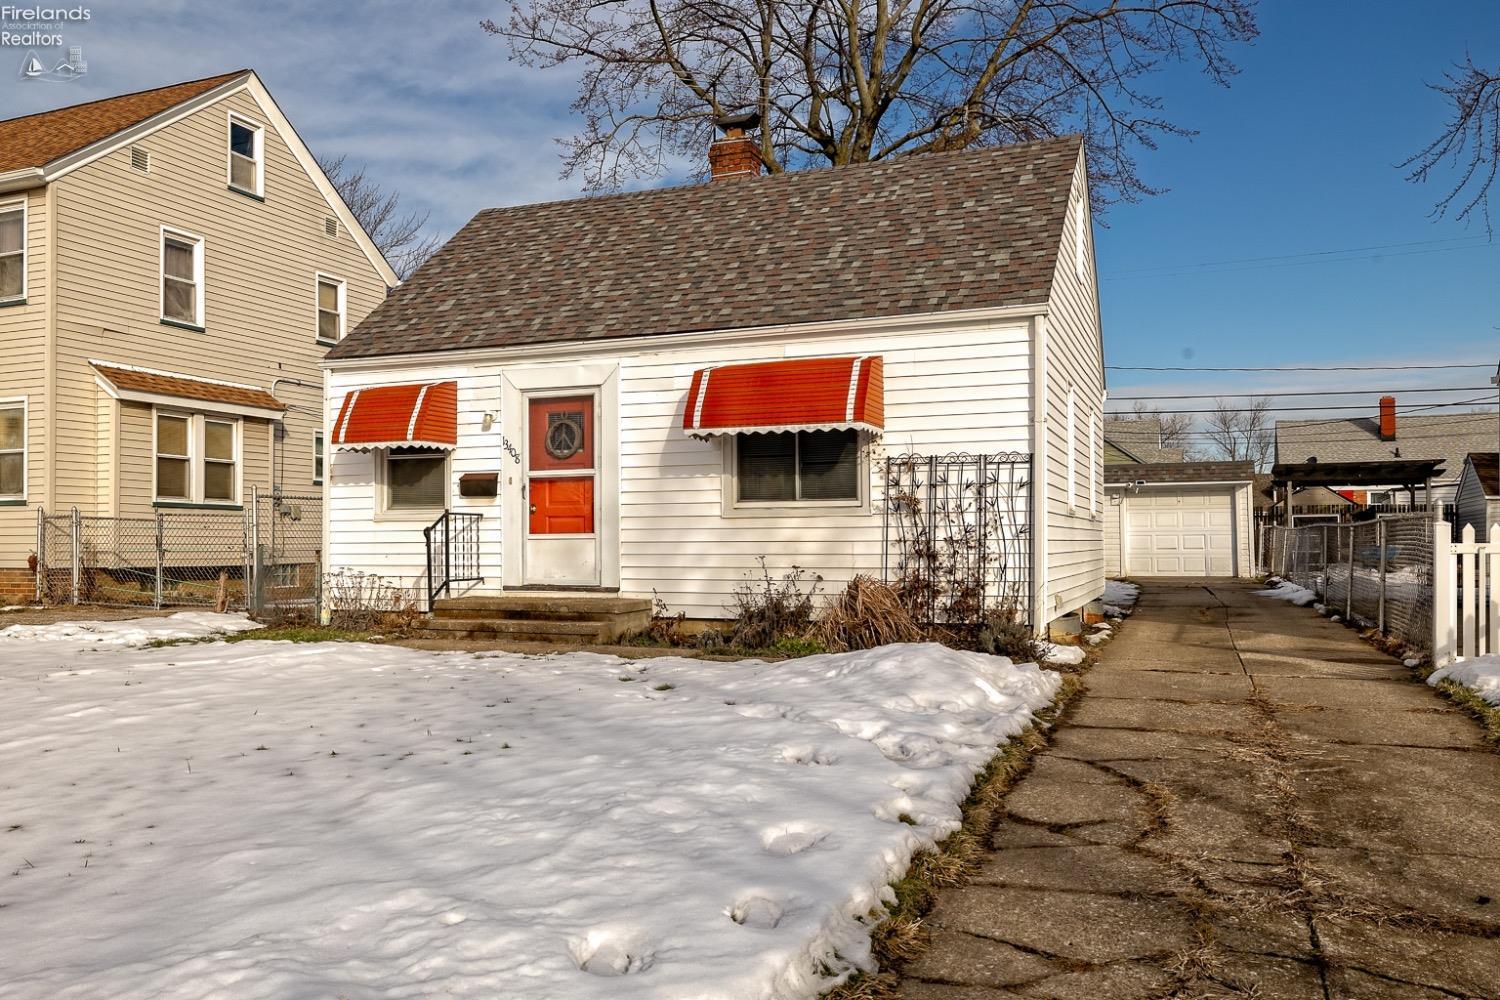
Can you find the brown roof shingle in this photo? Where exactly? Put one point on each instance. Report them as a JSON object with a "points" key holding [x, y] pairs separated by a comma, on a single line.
{"points": [[36, 140], [1487, 468], [920, 234], [1182, 472], [1446, 436], [186, 387]]}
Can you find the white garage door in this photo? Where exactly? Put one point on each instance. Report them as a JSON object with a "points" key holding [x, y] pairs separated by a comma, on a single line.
{"points": [[1180, 533]]}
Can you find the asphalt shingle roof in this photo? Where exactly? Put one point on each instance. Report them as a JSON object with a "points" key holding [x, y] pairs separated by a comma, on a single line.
{"points": [[1487, 468], [36, 140], [1449, 437], [921, 234], [1141, 437], [1182, 472]]}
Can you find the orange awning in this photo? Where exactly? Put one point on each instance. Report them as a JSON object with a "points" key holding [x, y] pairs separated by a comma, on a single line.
{"points": [[398, 416], [799, 395]]}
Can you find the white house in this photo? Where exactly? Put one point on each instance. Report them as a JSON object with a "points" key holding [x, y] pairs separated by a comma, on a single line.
{"points": [[1477, 501], [645, 393]]}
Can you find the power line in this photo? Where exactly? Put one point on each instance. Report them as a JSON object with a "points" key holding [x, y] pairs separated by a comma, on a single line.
{"points": [[1310, 409], [1296, 368], [1308, 392]]}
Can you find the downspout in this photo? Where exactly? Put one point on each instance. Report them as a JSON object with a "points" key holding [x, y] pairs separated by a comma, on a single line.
{"points": [[50, 362], [1039, 451]]}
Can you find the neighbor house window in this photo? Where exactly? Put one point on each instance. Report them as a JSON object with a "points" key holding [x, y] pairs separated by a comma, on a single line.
{"points": [[220, 464], [794, 466], [1070, 449], [12, 450], [12, 251], [317, 458], [174, 458], [197, 458], [246, 166], [416, 478], [181, 278], [330, 309]]}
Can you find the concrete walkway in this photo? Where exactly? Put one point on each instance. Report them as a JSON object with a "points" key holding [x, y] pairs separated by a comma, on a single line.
{"points": [[1248, 801]]}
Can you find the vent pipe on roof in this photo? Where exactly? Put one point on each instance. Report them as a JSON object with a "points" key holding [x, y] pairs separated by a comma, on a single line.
{"points": [[1387, 418], [734, 154]]}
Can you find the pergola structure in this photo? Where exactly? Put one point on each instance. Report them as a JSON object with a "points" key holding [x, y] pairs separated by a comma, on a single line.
{"points": [[1408, 473]]}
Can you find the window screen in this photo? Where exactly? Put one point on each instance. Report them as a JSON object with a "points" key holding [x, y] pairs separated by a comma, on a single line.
{"points": [[828, 465], [417, 478], [12, 451], [12, 253], [172, 458], [805, 465]]}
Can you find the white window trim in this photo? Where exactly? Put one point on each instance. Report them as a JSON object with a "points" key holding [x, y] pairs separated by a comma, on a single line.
{"points": [[1093, 464], [389, 513], [733, 506], [319, 474], [161, 274], [196, 460], [6, 206], [25, 403], [260, 154], [318, 280], [202, 421], [1070, 448], [1080, 240]]}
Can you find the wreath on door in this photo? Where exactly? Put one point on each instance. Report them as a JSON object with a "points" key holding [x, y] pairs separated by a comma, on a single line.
{"points": [[564, 437]]}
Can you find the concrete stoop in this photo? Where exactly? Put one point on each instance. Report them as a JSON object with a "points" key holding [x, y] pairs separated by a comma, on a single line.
{"points": [[581, 620]]}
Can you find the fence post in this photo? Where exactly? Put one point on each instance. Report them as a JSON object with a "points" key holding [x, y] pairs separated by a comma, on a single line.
{"points": [[252, 556], [40, 589], [77, 535], [161, 557], [1444, 595], [1380, 536]]}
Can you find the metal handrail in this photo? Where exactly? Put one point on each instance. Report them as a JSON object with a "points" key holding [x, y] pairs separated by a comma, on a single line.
{"points": [[452, 543]]}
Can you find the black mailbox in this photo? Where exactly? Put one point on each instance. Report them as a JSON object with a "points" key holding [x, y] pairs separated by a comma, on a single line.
{"points": [[478, 484]]}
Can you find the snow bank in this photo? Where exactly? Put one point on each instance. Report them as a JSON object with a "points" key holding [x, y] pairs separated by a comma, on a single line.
{"points": [[1061, 654], [1284, 591], [270, 820], [1482, 673], [132, 631]]}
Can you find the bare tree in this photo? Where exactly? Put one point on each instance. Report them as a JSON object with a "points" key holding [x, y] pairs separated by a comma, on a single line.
{"points": [[401, 238], [847, 81], [1176, 428], [1242, 433], [1469, 142]]}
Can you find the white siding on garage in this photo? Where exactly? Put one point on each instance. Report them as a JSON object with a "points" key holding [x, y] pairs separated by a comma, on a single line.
{"points": [[946, 389], [1471, 506]]}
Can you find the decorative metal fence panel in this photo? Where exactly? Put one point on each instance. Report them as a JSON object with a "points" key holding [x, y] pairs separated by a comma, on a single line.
{"points": [[266, 559], [956, 534], [1376, 573]]}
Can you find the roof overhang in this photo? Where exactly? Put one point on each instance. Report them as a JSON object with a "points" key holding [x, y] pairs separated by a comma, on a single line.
{"points": [[417, 415], [174, 389], [1405, 471], [800, 394], [22, 179]]}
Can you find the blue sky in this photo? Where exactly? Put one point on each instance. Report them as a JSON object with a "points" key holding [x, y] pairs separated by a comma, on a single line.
{"points": [[1296, 157]]}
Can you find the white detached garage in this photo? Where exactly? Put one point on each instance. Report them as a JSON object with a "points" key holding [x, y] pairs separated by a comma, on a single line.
{"points": [[1179, 519]]}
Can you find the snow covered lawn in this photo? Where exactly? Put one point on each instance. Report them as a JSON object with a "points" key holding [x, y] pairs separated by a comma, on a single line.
{"points": [[1482, 674], [270, 820]]}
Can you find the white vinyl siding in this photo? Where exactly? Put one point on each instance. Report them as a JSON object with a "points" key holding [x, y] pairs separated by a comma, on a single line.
{"points": [[1070, 448], [945, 391], [12, 251]]}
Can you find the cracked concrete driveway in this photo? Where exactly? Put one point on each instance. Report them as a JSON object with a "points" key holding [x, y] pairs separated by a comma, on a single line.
{"points": [[1248, 801]]}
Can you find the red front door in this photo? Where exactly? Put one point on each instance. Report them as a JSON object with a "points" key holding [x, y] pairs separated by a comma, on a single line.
{"points": [[561, 459]]}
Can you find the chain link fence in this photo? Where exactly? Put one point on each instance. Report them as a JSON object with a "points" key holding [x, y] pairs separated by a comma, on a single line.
{"points": [[265, 559], [1375, 573]]}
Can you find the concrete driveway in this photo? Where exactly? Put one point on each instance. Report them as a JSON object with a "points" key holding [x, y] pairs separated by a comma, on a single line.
{"points": [[1248, 801]]}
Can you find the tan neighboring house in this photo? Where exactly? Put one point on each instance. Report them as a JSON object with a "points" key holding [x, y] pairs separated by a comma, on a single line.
{"points": [[173, 266]]}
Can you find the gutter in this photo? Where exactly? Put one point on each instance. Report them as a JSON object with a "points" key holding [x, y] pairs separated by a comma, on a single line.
{"points": [[21, 180]]}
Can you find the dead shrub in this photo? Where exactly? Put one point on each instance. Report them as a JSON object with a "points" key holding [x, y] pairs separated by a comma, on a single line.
{"points": [[865, 614], [365, 602], [768, 610], [665, 627], [1004, 633]]}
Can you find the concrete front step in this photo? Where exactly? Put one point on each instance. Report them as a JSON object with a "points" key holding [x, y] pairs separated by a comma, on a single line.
{"points": [[538, 618], [516, 630]]}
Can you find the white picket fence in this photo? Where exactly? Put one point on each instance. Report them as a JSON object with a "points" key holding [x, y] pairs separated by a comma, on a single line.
{"points": [[1465, 595]]}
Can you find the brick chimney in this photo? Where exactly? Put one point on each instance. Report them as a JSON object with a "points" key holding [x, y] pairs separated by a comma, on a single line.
{"points": [[1387, 418], [733, 154]]}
